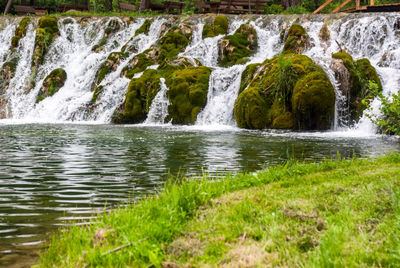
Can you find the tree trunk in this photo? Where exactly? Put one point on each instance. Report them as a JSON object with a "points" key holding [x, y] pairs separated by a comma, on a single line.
{"points": [[144, 4], [7, 7]]}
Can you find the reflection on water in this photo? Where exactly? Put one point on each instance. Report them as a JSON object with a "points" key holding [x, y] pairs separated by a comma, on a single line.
{"points": [[51, 174]]}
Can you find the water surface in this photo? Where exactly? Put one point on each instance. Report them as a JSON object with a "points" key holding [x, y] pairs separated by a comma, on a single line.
{"points": [[52, 174]]}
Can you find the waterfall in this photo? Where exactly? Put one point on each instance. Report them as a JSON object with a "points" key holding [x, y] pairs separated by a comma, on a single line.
{"points": [[159, 107], [372, 36]]}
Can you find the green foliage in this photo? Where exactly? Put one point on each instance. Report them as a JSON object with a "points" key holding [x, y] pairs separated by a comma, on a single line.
{"points": [[296, 10], [138, 64], [145, 28], [279, 95], [187, 94], [52, 83], [235, 49], [388, 121], [273, 9], [220, 26], [332, 213], [20, 32]]}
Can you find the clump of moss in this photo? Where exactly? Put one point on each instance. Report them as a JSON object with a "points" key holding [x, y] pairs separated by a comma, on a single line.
{"points": [[248, 75], [139, 63], [145, 28], [112, 62], [220, 26], [361, 72], [20, 32], [45, 35], [234, 49], [141, 92], [7, 72], [96, 93], [273, 92], [297, 40], [52, 83], [187, 94], [173, 42], [324, 33]]}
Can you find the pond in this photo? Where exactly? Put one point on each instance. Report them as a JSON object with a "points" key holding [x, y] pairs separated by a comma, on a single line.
{"points": [[53, 174]]}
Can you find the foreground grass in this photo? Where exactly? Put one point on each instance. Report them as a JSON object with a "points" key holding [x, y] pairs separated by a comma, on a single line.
{"points": [[336, 213]]}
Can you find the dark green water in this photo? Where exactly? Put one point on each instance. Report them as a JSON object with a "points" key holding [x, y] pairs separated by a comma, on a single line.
{"points": [[51, 174]]}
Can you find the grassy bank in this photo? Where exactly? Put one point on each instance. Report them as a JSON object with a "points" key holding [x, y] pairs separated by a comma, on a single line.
{"points": [[336, 213]]}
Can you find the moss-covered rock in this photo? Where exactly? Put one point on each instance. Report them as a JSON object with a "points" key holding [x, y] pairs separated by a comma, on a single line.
{"points": [[145, 28], [96, 93], [141, 92], [7, 72], [234, 49], [220, 26], [248, 75], [20, 32], [112, 62], [173, 42], [187, 94], [140, 62], [354, 82], [297, 40], [45, 35], [52, 83], [113, 26], [273, 92]]}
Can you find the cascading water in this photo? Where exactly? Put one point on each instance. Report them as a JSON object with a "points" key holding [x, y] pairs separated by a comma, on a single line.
{"points": [[159, 107], [373, 36]]}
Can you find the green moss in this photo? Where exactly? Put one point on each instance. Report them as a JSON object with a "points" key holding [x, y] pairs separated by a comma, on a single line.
{"points": [[113, 26], [112, 62], [52, 83], [268, 100], [7, 72], [138, 64], [187, 94], [141, 92], [45, 34], [297, 40], [172, 43], [145, 28], [220, 26], [361, 72], [20, 32], [248, 75], [234, 49], [99, 46], [314, 101], [98, 90]]}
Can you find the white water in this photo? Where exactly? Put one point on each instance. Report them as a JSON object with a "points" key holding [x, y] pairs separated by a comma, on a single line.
{"points": [[372, 36], [159, 107]]}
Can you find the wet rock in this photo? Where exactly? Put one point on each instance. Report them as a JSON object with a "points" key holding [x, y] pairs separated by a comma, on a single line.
{"points": [[52, 83]]}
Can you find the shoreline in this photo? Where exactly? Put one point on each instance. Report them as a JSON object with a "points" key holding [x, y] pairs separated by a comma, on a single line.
{"points": [[198, 222]]}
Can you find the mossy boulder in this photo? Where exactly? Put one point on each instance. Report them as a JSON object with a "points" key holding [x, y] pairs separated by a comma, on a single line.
{"points": [[45, 35], [220, 26], [187, 94], [145, 28], [8, 72], [274, 95], [141, 92], [173, 42], [112, 62], [52, 83], [297, 40], [140, 62], [354, 77], [236, 48], [20, 32], [96, 93]]}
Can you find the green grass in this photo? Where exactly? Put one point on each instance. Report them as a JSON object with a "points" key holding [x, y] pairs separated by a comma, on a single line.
{"points": [[331, 214]]}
